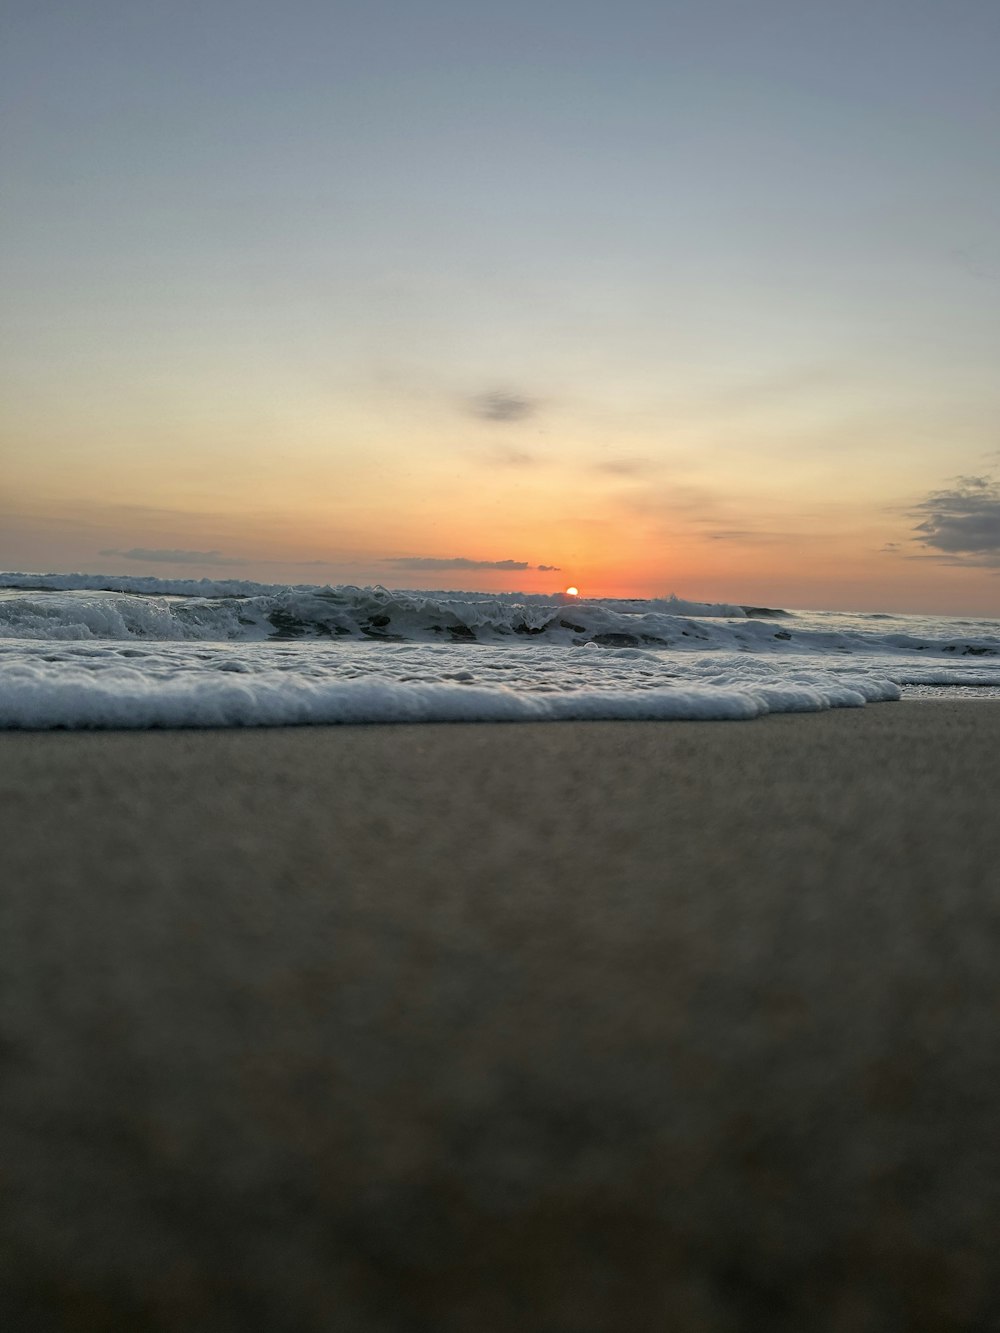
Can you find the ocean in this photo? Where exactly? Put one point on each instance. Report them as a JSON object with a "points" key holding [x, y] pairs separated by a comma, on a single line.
{"points": [[93, 651]]}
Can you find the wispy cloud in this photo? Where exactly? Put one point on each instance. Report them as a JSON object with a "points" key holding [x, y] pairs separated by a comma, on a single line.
{"points": [[963, 522], [173, 557], [757, 535], [626, 467], [504, 455], [502, 405], [768, 389], [458, 562], [672, 500], [979, 261]]}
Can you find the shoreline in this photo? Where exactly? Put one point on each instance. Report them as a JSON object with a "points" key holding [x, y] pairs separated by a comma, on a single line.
{"points": [[451, 1026]]}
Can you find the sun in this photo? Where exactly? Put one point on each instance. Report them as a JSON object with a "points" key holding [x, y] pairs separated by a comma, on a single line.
{"points": [[572, 592]]}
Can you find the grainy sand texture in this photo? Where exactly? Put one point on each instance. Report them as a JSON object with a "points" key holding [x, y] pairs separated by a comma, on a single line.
{"points": [[455, 1029]]}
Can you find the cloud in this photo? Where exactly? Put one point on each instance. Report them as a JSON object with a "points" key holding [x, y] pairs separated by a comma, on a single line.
{"points": [[747, 535], [963, 522], [780, 386], [458, 562], [174, 557], [503, 455], [978, 261], [625, 467], [502, 405], [670, 501]]}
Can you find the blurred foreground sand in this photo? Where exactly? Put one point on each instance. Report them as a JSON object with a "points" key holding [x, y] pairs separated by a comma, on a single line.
{"points": [[583, 1026]]}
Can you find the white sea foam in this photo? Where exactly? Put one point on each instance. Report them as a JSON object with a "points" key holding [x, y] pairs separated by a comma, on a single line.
{"points": [[75, 656], [100, 688]]}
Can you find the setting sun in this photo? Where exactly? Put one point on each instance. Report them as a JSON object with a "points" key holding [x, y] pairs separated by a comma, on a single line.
{"points": [[572, 592]]}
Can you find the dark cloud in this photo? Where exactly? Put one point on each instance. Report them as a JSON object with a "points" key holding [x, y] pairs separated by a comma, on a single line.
{"points": [[501, 405], [458, 562], [178, 557], [549, 569], [963, 522]]}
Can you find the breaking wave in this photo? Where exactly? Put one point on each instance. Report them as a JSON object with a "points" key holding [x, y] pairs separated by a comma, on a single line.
{"points": [[88, 651]]}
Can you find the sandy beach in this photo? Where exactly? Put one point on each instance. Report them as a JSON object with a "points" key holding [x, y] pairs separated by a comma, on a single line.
{"points": [[581, 1026]]}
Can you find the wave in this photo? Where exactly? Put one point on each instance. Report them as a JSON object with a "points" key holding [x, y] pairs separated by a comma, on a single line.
{"points": [[155, 587], [125, 583], [161, 655], [86, 606], [346, 613]]}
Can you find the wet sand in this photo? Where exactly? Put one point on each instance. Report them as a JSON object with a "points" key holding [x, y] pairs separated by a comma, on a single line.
{"points": [[582, 1026]]}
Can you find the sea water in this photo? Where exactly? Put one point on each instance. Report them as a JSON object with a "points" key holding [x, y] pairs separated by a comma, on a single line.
{"points": [[81, 650]]}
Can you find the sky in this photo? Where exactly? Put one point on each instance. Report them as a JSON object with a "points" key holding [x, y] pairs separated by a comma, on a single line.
{"points": [[691, 296]]}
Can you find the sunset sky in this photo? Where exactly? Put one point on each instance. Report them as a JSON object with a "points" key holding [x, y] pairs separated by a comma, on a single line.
{"points": [[644, 297]]}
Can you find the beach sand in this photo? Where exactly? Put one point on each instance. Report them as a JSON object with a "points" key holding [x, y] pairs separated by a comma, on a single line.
{"points": [[581, 1026]]}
